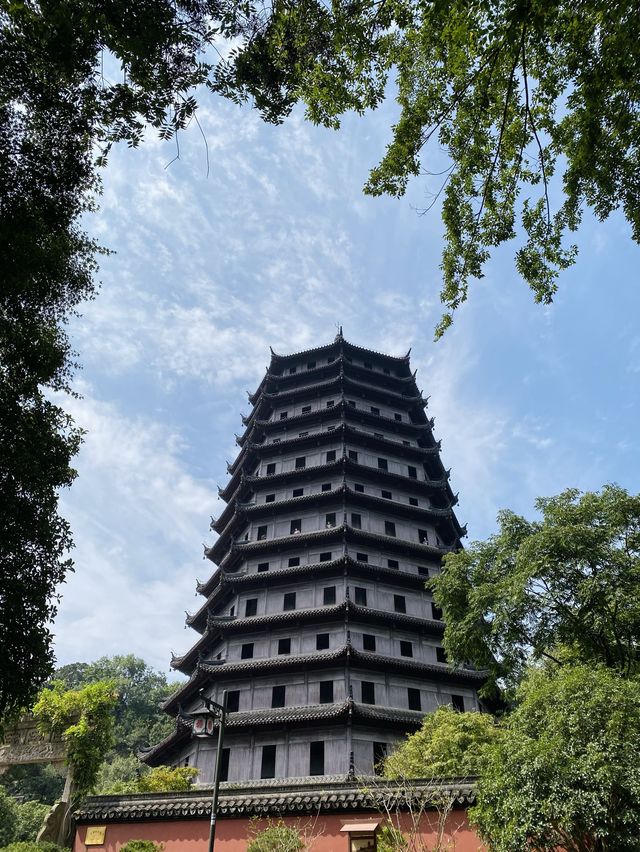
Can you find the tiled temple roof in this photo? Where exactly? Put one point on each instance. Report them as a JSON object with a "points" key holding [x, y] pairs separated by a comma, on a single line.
{"points": [[275, 797]]}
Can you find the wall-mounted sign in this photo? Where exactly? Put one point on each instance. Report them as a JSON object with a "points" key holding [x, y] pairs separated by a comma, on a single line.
{"points": [[95, 835]]}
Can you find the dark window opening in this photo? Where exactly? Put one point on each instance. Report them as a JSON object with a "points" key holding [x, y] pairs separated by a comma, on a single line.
{"points": [[295, 526], [387, 495], [233, 701], [250, 607], [436, 612], [399, 603], [297, 492], [302, 434], [276, 441], [389, 528], [329, 595], [268, 767], [330, 428], [353, 455], [270, 498], [413, 501], [351, 402], [294, 561], [379, 754], [284, 415], [393, 563], [322, 641], [406, 648], [359, 488], [331, 403], [271, 468], [262, 533], [326, 692], [316, 758], [326, 486], [292, 370], [375, 410], [383, 464], [232, 611], [362, 557], [331, 455], [224, 764], [397, 417], [368, 692], [263, 566], [406, 443], [415, 702], [441, 655], [412, 471], [311, 365], [301, 462], [423, 536], [330, 520], [457, 702], [246, 652], [277, 696], [368, 642], [284, 646], [306, 409], [289, 601], [325, 557], [360, 596], [423, 571], [356, 520]]}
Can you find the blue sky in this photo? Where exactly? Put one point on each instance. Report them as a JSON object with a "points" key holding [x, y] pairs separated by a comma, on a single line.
{"points": [[277, 246]]}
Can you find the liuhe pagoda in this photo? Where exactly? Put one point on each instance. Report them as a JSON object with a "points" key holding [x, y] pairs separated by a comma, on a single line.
{"points": [[316, 619]]}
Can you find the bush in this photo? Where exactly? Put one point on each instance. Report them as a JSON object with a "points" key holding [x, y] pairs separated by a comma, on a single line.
{"points": [[142, 846], [31, 816], [8, 818], [32, 846], [276, 837], [161, 779]]}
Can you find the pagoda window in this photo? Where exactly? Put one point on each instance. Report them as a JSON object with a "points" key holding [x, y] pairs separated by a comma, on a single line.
{"points": [[330, 520], [331, 403], [284, 646], [295, 527], [278, 696], [326, 692], [284, 415], [441, 655], [379, 754], [378, 435], [387, 494], [423, 536], [353, 455], [399, 603], [383, 464], [322, 641], [302, 434], [331, 428], [271, 468], [262, 533], [368, 692], [293, 562], [246, 652], [326, 556], [224, 764], [406, 648], [406, 443], [368, 642], [413, 697], [316, 758], [412, 472], [250, 607], [268, 765], [351, 402], [297, 492], [397, 417], [263, 566], [413, 501], [329, 595], [232, 611], [276, 441], [356, 520], [423, 570], [457, 702], [375, 410], [389, 528], [326, 486], [306, 409], [233, 701], [360, 596], [331, 456], [362, 557], [270, 498], [311, 365], [289, 601], [292, 370], [301, 462], [436, 612], [358, 487], [393, 563]]}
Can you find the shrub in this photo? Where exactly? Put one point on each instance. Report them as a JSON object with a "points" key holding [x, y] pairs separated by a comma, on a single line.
{"points": [[8, 818], [142, 846], [31, 816], [32, 846], [276, 837]]}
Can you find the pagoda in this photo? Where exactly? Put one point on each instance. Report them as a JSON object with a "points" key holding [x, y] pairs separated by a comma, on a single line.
{"points": [[316, 619]]}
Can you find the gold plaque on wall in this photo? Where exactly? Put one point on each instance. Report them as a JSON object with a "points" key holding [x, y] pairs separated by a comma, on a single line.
{"points": [[95, 835]]}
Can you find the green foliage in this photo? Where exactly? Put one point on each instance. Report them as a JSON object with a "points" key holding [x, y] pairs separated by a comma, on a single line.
{"points": [[566, 773], [448, 744], [160, 779], [40, 782], [84, 718], [118, 771], [8, 818], [31, 816], [276, 837], [138, 719], [391, 839], [142, 846], [564, 587], [32, 846]]}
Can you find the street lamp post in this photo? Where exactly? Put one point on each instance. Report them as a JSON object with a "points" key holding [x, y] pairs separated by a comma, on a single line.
{"points": [[205, 729]]}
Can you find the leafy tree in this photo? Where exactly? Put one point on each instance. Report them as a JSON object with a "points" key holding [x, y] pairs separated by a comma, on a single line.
{"points": [[32, 846], [8, 818], [160, 779], [561, 588], [31, 816], [565, 773], [42, 783], [276, 837], [448, 744], [142, 846]]}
